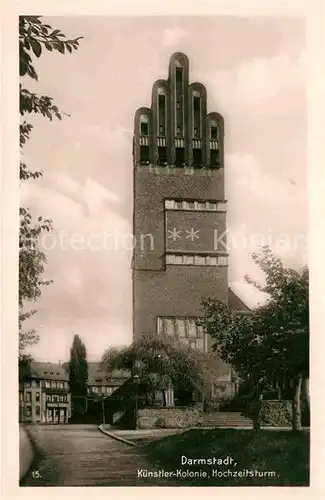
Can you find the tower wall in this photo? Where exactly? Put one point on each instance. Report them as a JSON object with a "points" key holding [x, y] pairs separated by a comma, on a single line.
{"points": [[179, 204]]}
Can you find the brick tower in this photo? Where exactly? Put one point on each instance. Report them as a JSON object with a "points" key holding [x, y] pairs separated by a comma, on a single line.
{"points": [[179, 209]]}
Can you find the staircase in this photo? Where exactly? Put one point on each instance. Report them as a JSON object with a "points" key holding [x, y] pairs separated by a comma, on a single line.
{"points": [[225, 419]]}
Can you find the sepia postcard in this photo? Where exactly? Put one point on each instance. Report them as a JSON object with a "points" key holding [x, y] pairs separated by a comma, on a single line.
{"points": [[162, 250]]}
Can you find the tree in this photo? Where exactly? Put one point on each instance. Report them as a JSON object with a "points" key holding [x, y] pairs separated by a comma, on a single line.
{"points": [[271, 345], [286, 319], [34, 38], [160, 363], [78, 370]]}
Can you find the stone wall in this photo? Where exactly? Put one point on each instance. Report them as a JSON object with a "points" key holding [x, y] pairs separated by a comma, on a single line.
{"points": [[170, 418], [276, 413]]}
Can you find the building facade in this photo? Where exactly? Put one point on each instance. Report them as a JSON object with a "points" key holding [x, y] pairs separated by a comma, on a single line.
{"points": [[179, 209], [102, 384], [44, 395], [44, 392]]}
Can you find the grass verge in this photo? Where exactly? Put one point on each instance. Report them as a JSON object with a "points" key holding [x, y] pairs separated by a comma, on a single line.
{"points": [[281, 456]]}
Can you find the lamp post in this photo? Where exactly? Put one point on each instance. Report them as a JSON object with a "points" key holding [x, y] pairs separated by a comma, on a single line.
{"points": [[136, 380], [103, 408]]}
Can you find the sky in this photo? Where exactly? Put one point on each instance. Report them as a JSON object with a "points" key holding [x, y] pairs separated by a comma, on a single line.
{"points": [[254, 72]]}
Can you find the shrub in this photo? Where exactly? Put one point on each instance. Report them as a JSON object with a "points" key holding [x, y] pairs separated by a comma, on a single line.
{"points": [[160, 423], [276, 413], [211, 405]]}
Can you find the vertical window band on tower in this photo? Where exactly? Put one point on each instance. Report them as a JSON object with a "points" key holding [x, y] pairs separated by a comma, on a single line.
{"points": [[161, 112], [179, 99], [214, 145], [196, 110], [162, 126], [144, 140], [144, 125]]}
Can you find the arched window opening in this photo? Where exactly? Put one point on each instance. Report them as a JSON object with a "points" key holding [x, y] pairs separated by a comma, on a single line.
{"points": [[214, 131], [162, 108], [144, 125], [179, 74]]}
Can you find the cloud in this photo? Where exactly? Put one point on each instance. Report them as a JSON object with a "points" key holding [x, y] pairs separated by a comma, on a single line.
{"points": [[263, 211], [260, 85], [172, 36]]}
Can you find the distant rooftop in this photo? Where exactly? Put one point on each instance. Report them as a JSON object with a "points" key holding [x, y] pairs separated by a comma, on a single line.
{"points": [[48, 371], [97, 376], [236, 303]]}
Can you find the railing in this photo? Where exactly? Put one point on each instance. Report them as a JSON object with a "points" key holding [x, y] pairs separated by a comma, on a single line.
{"points": [[144, 140]]}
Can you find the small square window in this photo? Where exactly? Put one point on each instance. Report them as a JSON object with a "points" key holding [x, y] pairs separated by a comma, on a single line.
{"points": [[190, 205], [169, 327], [199, 261], [212, 205], [178, 259], [169, 204], [188, 259], [201, 205], [170, 259], [213, 261]]}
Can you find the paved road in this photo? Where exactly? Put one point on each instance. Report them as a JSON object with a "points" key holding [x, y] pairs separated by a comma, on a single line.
{"points": [[80, 455]]}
